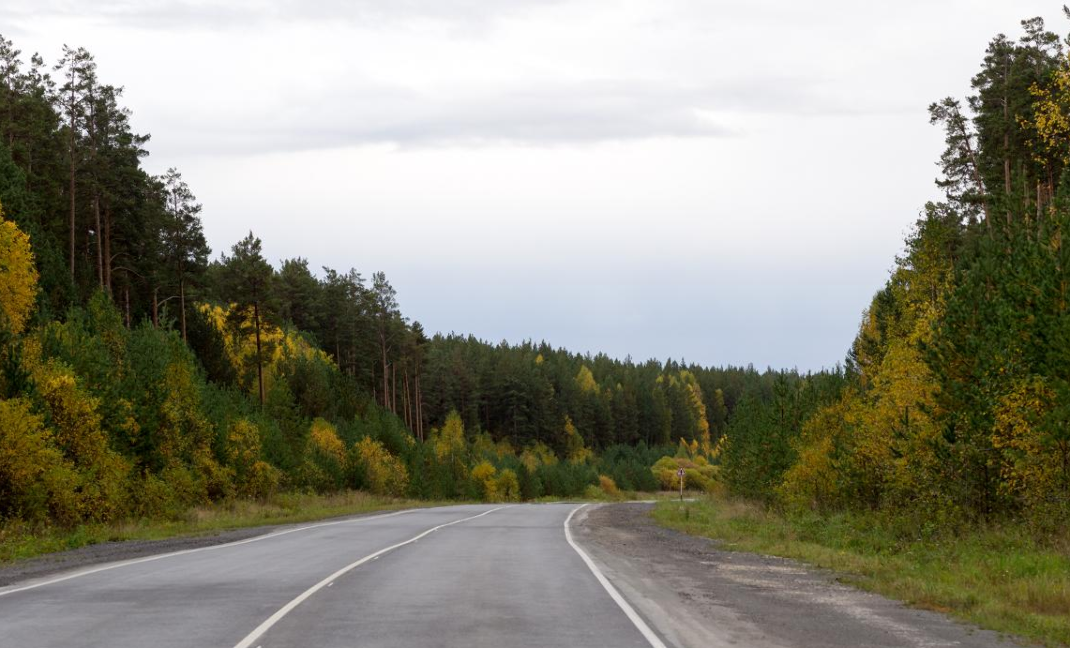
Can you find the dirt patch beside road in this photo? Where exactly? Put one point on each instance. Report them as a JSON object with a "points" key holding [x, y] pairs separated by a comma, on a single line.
{"points": [[696, 594], [106, 552]]}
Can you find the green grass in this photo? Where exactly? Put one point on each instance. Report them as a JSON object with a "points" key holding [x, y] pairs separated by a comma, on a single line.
{"points": [[19, 541], [999, 577]]}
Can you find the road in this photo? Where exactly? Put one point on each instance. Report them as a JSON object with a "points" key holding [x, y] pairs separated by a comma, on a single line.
{"points": [[451, 576], [538, 575]]}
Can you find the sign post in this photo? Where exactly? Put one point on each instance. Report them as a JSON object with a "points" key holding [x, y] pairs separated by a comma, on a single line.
{"points": [[681, 474]]}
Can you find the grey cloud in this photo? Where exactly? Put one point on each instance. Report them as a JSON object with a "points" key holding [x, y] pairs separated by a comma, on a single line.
{"points": [[543, 116], [171, 14]]}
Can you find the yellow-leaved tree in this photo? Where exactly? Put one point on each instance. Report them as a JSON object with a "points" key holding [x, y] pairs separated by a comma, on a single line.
{"points": [[18, 277], [1030, 434], [383, 473], [36, 481], [575, 451], [254, 477], [450, 446], [326, 457]]}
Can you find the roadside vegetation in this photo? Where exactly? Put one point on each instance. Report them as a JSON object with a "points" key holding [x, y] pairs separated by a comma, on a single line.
{"points": [[20, 540], [937, 471], [999, 576]]}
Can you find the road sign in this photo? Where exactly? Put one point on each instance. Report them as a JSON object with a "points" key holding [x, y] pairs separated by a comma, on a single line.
{"points": [[680, 472]]}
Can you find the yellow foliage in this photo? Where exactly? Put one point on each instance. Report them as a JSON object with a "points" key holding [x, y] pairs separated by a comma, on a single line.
{"points": [[243, 445], [184, 432], [276, 345], [1051, 113], [504, 449], [483, 445], [695, 476], [255, 477], [538, 454], [325, 444], [450, 447], [1034, 467], [507, 486], [574, 448], [608, 486], [262, 481], [585, 381], [73, 412], [384, 474], [483, 473], [36, 481], [449, 442], [812, 482], [18, 277]]}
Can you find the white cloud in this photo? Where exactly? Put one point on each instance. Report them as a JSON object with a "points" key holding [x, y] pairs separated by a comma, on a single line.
{"points": [[722, 180]]}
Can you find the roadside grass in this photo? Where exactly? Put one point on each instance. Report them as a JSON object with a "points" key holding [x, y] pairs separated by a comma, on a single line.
{"points": [[1001, 578], [19, 540]]}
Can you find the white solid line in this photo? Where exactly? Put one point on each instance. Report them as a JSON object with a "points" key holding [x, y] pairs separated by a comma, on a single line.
{"points": [[286, 609], [138, 561], [633, 616]]}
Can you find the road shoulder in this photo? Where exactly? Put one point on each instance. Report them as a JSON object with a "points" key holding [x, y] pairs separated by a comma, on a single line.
{"points": [[695, 594]]}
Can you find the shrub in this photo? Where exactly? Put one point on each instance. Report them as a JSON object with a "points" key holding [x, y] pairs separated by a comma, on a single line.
{"points": [[380, 472], [483, 474], [327, 452], [608, 486], [36, 482], [507, 486]]}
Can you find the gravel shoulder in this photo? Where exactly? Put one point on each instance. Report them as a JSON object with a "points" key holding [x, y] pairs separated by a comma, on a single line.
{"points": [[696, 594]]}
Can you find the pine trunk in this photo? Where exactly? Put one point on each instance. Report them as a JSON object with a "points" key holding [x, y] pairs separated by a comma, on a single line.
{"points": [[70, 147], [107, 248], [386, 375], [408, 409], [394, 388], [182, 303], [259, 358], [419, 407], [100, 242]]}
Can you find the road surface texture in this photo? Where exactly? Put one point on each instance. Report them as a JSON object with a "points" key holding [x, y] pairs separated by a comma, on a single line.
{"points": [[480, 575], [697, 595]]}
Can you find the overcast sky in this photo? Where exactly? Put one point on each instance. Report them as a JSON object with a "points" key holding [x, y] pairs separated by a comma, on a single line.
{"points": [[723, 182]]}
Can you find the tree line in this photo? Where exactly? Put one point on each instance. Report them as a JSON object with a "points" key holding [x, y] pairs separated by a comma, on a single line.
{"points": [[142, 374], [956, 404]]}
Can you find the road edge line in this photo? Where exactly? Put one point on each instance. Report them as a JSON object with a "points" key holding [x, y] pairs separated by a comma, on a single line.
{"points": [[183, 552], [303, 596], [652, 638]]}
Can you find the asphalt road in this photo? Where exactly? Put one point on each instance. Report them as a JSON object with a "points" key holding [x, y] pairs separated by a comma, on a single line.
{"points": [[452, 576]]}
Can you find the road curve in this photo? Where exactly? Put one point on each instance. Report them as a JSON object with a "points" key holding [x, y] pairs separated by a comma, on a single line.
{"points": [[450, 576]]}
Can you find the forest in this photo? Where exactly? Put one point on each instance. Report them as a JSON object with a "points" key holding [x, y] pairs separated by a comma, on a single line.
{"points": [[141, 375]]}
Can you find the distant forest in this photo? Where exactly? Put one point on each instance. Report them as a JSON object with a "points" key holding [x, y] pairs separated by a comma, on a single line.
{"points": [[141, 375]]}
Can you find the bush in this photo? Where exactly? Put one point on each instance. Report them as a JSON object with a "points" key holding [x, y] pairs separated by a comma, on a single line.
{"points": [[328, 455], [378, 470], [700, 477], [608, 486], [36, 482], [507, 486]]}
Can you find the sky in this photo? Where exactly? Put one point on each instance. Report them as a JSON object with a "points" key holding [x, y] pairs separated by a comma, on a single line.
{"points": [[725, 183]]}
